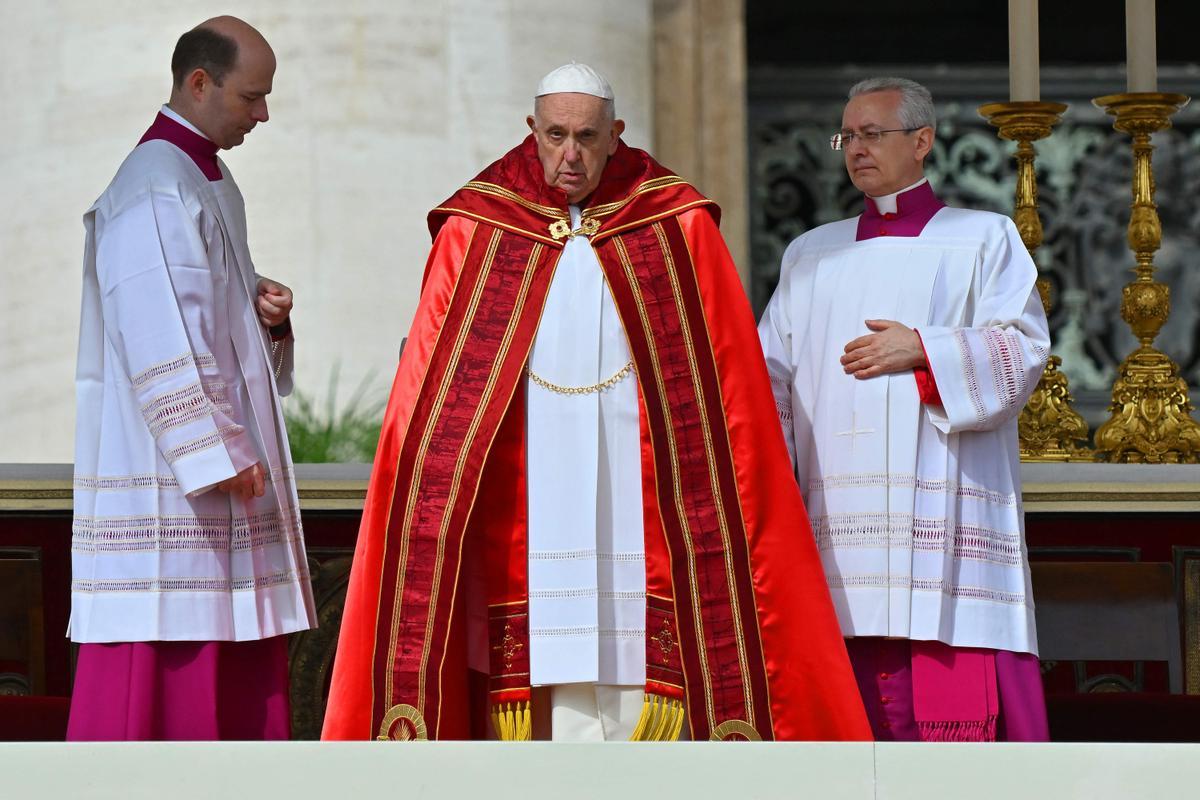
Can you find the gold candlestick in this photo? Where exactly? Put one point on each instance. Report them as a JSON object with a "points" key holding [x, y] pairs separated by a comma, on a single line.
{"points": [[1049, 428], [1151, 414]]}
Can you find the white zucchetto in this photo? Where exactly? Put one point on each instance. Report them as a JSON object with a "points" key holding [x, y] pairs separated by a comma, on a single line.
{"points": [[578, 78]]}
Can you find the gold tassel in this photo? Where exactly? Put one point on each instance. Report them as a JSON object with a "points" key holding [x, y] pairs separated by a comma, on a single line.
{"points": [[639, 731], [672, 721], [513, 722], [508, 727], [661, 720], [525, 723], [680, 716], [498, 721]]}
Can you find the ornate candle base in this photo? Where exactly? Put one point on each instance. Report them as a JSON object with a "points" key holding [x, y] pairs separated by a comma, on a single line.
{"points": [[1151, 415], [1049, 429]]}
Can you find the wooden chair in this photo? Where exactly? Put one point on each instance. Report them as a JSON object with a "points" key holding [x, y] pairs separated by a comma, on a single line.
{"points": [[22, 639], [25, 715], [1108, 611]]}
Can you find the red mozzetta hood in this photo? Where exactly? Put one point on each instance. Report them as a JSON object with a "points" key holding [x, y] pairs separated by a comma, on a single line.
{"points": [[512, 193]]}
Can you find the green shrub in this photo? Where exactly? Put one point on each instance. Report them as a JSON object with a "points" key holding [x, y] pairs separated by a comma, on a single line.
{"points": [[320, 433]]}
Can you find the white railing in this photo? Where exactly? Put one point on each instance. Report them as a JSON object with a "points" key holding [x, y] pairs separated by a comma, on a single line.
{"points": [[533, 771]]}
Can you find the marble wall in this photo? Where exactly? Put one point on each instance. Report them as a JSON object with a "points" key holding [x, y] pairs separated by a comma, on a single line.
{"points": [[381, 109]]}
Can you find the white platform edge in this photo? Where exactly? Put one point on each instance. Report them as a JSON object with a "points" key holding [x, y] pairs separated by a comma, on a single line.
{"points": [[533, 771]]}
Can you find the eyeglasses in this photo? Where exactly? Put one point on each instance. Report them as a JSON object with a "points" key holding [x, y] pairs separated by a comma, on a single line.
{"points": [[841, 140]]}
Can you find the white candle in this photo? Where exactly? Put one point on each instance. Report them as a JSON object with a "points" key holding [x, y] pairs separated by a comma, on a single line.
{"points": [[1023, 83], [1141, 50]]}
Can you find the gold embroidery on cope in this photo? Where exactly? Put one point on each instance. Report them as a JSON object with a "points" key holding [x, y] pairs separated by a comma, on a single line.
{"points": [[665, 639], [648, 186], [718, 500], [460, 463], [499, 191], [422, 450], [690, 554], [735, 727], [403, 723], [508, 646]]}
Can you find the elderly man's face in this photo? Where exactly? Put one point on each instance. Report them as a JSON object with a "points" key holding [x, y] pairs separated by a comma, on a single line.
{"points": [[575, 136], [895, 161]]}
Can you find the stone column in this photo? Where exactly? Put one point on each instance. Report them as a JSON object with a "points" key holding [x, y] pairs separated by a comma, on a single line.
{"points": [[700, 107]]}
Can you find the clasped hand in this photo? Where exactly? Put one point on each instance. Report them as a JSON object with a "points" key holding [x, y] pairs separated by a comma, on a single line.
{"points": [[893, 348], [274, 302]]}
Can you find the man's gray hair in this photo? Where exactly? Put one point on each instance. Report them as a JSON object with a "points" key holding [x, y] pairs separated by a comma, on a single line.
{"points": [[916, 103]]}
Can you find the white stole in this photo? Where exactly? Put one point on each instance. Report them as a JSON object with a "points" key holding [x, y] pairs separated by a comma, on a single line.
{"points": [[587, 575]]}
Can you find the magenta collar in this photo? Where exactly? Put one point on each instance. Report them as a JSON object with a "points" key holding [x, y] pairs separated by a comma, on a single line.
{"points": [[200, 150], [914, 209]]}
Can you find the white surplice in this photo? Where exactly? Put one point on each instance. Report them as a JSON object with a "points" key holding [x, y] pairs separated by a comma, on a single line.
{"points": [[916, 508], [587, 572], [178, 388]]}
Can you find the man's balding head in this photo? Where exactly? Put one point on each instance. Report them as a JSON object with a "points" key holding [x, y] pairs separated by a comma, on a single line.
{"points": [[203, 48], [223, 70], [214, 46]]}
